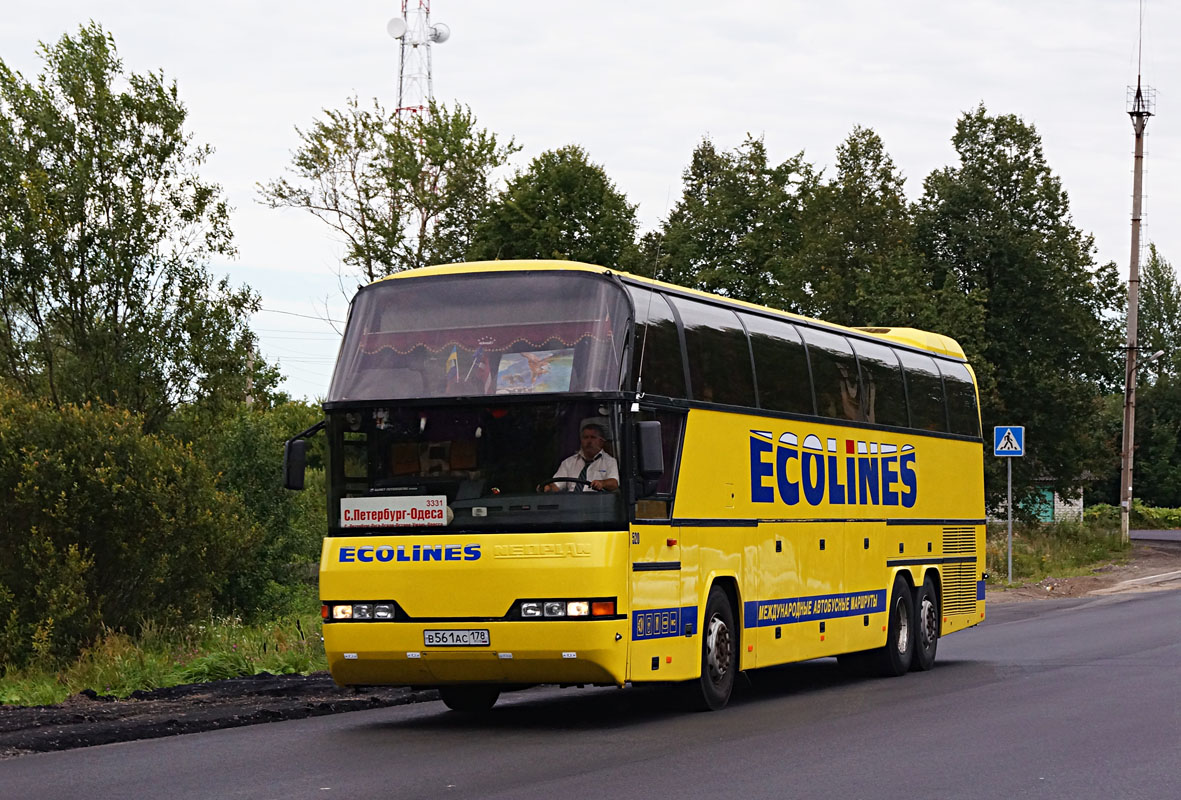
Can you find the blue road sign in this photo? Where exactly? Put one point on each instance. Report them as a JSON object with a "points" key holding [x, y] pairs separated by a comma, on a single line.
{"points": [[1008, 440]]}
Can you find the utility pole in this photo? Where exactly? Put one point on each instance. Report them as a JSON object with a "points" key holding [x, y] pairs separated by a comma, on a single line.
{"points": [[1140, 109]]}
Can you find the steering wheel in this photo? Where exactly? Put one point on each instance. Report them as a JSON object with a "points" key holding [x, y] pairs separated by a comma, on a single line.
{"points": [[578, 481]]}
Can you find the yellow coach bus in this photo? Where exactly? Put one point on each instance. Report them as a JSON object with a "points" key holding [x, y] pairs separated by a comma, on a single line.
{"points": [[755, 488]]}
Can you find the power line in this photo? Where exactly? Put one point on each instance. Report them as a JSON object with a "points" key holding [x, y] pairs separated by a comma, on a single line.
{"points": [[305, 316]]}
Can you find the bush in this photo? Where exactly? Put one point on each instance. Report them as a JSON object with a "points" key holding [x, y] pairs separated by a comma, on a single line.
{"points": [[1142, 517], [101, 524], [245, 451]]}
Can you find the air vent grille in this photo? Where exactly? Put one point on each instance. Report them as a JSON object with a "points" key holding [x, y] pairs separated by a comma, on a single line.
{"points": [[959, 541], [959, 588], [959, 579]]}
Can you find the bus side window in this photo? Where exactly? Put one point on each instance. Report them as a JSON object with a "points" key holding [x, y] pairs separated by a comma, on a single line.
{"points": [[924, 392], [781, 365], [962, 413], [834, 375], [884, 396], [659, 504], [718, 354], [659, 343]]}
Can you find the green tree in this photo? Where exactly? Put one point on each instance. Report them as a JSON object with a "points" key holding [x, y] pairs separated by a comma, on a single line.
{"points": [[1157, 473], [735, 228], [856, 264], [562, 207], [105, 230], [1159, 325], [400, 192], [1038, 317]]}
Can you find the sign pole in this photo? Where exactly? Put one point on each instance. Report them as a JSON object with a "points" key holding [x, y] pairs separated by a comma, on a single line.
{"points": [[1009, 506], [1008, 441]]}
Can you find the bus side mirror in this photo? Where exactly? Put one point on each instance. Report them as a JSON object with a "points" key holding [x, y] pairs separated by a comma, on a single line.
{"points": [[651, 450], [295, 462]]}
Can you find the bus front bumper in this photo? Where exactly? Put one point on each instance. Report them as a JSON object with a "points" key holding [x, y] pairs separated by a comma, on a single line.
{"points": [[396, 653]]}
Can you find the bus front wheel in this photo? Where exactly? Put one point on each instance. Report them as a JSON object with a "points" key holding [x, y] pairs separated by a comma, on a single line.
{"points": [[719, 653], [469, 699]]}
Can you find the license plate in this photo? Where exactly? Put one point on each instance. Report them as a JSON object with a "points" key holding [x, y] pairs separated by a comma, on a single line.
{"points": [[456, 638]]}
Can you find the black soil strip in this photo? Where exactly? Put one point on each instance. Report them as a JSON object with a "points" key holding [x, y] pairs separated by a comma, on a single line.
{"points": [[88, 719]]}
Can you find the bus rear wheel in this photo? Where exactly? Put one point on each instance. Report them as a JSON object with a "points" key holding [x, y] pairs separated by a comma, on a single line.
{"points": [[926, 607], [895, 657], [469, 699], [719, 654]]}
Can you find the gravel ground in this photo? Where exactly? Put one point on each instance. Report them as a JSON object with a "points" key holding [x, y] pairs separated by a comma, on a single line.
{"points": [[89, 719]]}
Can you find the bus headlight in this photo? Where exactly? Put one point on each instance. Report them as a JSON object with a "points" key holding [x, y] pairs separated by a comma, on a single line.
{"points": [[359, 612], [565, 608]]}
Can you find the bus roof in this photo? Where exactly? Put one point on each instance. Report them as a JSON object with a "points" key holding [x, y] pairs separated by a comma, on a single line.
{"points": [[911, 337]]}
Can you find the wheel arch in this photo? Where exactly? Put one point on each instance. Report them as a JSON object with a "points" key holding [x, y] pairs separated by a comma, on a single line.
{"points": [[936, 577], [728, 583], [907, 574]]}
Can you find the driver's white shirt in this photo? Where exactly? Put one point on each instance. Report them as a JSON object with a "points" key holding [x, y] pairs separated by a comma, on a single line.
{"points": [[602, 467]]}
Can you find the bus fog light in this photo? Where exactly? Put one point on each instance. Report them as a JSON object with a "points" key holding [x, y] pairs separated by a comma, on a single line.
{"points": [[577, 608], [362, 611], [383, 612], [342, 612], [530, 609], [555, 608]]}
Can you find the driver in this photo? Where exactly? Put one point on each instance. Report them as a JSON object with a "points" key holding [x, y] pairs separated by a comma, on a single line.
{"points": [[591, 464]]}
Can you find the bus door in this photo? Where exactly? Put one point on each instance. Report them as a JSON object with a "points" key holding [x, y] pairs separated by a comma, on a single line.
{"points": [[659, 620]]}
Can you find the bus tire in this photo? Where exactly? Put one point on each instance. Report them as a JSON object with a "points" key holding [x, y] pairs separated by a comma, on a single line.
{"points": [[469, 699], [719, 654], [894, 658], [926, 628]]}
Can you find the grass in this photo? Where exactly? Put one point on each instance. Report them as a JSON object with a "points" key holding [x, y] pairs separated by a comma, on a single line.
{"points": [[225, 648], [1060, 549]]}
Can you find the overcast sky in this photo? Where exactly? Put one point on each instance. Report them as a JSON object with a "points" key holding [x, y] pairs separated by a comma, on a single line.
{"points": [[638, 85]]}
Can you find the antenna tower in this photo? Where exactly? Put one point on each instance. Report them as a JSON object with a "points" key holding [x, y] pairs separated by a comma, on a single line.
{"points": [[414, 29], [1141, 106]]}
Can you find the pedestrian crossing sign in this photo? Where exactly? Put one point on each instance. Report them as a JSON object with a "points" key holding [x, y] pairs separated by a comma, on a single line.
{"points": [[1008, 440]]}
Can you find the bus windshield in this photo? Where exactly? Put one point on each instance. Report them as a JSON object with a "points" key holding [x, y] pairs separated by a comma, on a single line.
{"points": [[473, 467], [497, 333]]}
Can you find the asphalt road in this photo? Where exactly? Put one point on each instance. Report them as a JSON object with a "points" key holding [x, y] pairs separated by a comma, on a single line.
{"points": [[1156, 536], [1056, 698]]}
